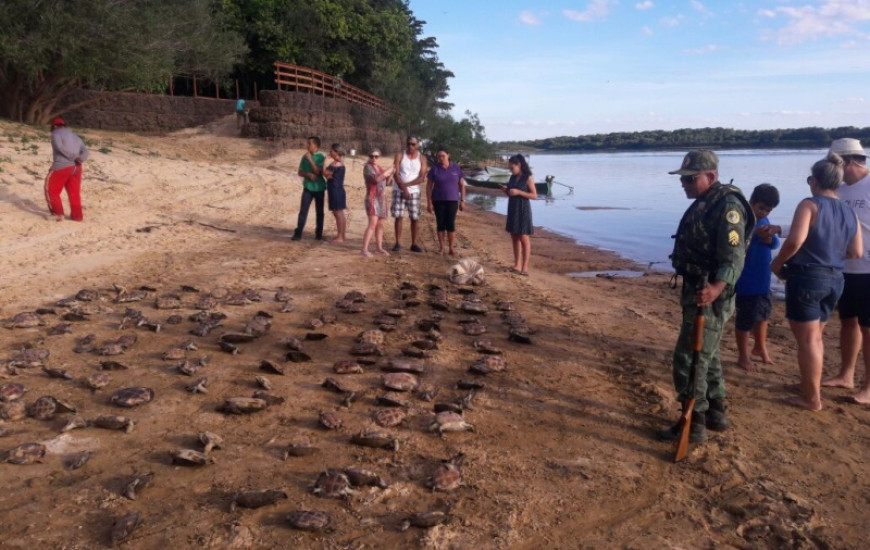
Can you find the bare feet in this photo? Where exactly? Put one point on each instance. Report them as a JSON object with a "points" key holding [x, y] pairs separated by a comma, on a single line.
{"points": [[451, 252], [838, 382], [799, 401], [441, 251], [336, 240], [747, 364], [366, 253], [765, 357], [384, 252], [862, 397]]}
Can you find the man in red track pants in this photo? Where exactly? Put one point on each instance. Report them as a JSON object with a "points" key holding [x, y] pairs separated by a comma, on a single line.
{"points": [[69, 153]]}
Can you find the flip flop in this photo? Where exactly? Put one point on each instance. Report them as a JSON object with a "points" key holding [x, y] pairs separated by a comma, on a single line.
{"points": [[524, 273]]}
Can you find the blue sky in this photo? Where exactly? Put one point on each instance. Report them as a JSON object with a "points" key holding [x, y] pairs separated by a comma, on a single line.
{"points": [[545, 68]]}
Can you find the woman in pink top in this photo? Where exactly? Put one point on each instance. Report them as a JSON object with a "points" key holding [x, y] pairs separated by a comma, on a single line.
{"points": [[377, 179]]}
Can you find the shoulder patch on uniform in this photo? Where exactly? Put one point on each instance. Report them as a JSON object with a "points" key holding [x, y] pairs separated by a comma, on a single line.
{"points": [[733, 236], [732, 217]]}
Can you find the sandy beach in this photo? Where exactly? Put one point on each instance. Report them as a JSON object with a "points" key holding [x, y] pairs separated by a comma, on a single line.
{"points": [[562, 455]]}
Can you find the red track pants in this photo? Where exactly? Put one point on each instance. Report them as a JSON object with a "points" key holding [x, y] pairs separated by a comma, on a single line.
{"points": [[69, 178]]}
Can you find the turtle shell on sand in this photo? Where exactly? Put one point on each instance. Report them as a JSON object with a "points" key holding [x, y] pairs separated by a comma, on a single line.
{"points": [[360, 477], [43, 408], [13, 411], [332, 483], [374, 336], [25, 319], [400, 381], [12, 391], [366, 348], [488, 364], [390, 417], [30, 357], [132, 397], [309, 520], [345, 366], [425, 520], [124, 527], [257, 499], [98, 380], [113, 422], [404, 365], [243, 405], [376, 439], [210, 440], [300, 447], [330, 420], [449, 421], [447, 477], [77, 460], [135, 484], [26, 453], [189, 457]]}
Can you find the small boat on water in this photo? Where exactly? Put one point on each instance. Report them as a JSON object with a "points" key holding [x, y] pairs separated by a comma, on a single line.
{"points": [[543, 187]]}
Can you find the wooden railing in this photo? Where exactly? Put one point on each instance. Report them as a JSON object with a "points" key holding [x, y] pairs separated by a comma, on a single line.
{"points": [[296, 78]]}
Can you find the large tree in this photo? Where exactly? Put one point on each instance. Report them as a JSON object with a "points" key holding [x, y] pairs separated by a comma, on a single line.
{"points": [[49, 48]]}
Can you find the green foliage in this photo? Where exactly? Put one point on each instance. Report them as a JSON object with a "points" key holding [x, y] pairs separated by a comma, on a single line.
{"points": [[52, 47], [465, 138], [686, 138]]}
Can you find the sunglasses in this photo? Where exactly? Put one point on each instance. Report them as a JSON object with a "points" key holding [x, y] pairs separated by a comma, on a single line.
{"points": [[688, 179], [374, 156], [810, 179], [411, 144]]}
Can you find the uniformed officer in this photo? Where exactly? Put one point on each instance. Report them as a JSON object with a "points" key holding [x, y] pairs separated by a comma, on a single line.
{"points": [[708, 254]]}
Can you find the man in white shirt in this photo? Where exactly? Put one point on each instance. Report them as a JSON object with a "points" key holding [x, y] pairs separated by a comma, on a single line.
{"points": [[410, 170], [854, 304]]}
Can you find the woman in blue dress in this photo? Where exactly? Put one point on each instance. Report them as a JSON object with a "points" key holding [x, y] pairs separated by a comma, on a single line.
{"points": [[520, 189], [336, 197]]}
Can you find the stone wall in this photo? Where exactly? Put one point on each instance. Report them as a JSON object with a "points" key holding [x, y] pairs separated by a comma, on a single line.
{"points": [[288, 117]]}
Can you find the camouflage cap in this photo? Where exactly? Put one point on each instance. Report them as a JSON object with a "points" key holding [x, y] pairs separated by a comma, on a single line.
{"points": [[699, 160]]}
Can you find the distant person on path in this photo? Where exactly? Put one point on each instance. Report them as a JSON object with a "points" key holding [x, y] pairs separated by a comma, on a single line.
{"points": [[753, 302], [709, 251], [336, 196], [410, 168], [313, 188], [854, 304], [824, 232], [445, 195], [377, 179], [69, 155], [520, 189], [241, 113]]}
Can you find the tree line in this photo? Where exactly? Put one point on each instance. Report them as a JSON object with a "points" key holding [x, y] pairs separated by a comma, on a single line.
{"points": [[691, 138], [52, 47]]}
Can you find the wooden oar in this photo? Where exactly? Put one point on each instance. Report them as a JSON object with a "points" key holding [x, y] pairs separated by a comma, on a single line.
{"points": [[686, 418]]}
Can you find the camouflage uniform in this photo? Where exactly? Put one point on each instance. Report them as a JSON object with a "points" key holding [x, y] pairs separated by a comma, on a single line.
{"points": [[710, 246]]}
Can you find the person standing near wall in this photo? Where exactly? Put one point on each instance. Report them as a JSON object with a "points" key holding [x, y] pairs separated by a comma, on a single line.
{"points": [[410, 168], [313, 188], [241, 113], [69, 154]]}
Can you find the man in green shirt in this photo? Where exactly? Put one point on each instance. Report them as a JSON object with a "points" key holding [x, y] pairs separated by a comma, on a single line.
{"points": [[313, 188]]}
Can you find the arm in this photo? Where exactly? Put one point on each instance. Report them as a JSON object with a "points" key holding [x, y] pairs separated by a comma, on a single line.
{"points": [[530, 193], [800, 228], [83, 152], [856, 245], [730, 249], [430, 185], [424, 169], [461, 193]]}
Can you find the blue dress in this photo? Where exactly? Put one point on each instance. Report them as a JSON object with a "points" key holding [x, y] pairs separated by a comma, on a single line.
{"points": [[519, 211], [337, 198]]}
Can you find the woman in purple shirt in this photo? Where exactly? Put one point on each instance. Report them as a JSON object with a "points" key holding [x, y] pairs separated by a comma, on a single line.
{"points": [[445, 195]]}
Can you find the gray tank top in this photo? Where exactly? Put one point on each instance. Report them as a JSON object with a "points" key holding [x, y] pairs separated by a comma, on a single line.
{"points": [[829, 237]]}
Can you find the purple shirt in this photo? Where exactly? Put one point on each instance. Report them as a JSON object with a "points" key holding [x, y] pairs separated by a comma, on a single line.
{"points": [[445, 182]]}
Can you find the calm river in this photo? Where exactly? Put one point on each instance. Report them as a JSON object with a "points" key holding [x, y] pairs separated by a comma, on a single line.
{"points": [[628, 203]]}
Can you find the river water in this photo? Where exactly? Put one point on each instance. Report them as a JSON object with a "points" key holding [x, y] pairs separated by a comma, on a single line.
{"points": [[629, 204]]}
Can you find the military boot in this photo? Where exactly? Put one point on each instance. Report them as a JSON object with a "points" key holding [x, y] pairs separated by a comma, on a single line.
{"points": [[697, 430], [716, 420]]}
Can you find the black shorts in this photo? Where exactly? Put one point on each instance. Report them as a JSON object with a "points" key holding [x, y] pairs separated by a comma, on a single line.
{"points": [[751, 309], [855, 301], [445, 215]]}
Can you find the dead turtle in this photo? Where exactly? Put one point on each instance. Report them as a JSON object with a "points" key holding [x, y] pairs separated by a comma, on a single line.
{"points": [[263, 382], [425, 344], [60, 328], [287, 307], [132, 397], [427, 325], [355, 296], [451, 406], [338, 386], [483, 345], [473, 329], [13, 410], [187, 367], [199, 385], [46, 406], [388, 418], [425, 520], [300, 447], [111, 348], [473, 307], [206, 302], [488, 364], [447, 476], [98, 380], [259, 324], [128, 340], [12, 391], [113, 422], [135, 484], [25, 319], [297, 356], [174, 354], [77, 460], [170, 301], [385, 321], [237, 337], [404, 365], [360, 477], [332, 483], [125, 297], [124, 527], [26, 453], [328, 318], [57, 373], [87, 295], [314, 323], [416, 353], [373, 336], [73, 423], [292, 343], [309, 520], [257, 499], [392, 399], [345, 366], [283, 295], [376, 439], [252, 295], [111, 364], [189, 457], [504, 305], [174, 319], [366, 348], [449, 421], [271, 366], [316, 336], [269, 398], [242, 405], [520, 334], [29, 358], [400, 381], [230, 348], [210, 440], [330, 420], [237, 299]]}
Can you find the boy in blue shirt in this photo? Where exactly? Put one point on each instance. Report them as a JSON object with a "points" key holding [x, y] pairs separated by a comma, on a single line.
{"points": [[753, 301]]}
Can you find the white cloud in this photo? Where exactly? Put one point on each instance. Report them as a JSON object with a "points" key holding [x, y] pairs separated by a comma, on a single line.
{"points": [[595, 9], [646, 31], [701, 8], [831, 18], [671, 21], [645, 5], [702, 50], [787, 112], [859, 100], [529, 18]]}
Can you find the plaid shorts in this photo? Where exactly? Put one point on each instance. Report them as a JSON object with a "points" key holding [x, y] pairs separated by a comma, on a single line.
{"points": [[400, 203]]}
